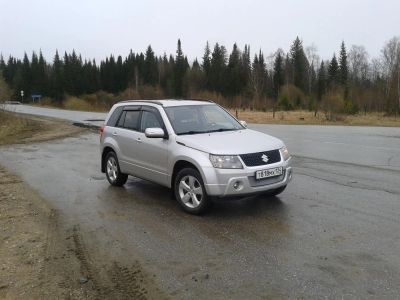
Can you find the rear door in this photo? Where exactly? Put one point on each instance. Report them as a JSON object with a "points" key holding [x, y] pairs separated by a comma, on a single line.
{"points": [[128, 136]]}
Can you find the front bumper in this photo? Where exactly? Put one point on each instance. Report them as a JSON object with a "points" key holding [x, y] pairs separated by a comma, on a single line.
{"points": [[240, 182]]}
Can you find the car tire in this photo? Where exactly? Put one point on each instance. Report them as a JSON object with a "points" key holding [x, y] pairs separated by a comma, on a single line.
{"points": [[190, 192], [113, 173], [276, 192]]}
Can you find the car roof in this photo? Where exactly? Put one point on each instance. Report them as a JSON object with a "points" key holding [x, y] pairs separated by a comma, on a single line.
{"points": [[168, 102]]}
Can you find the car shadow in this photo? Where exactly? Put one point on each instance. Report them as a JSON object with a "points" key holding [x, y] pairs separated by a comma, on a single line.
{"points": [[249, 206], [146, 193]]}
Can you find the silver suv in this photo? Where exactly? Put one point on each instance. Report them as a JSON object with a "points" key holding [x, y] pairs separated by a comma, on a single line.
{"points": [[196, 148]]}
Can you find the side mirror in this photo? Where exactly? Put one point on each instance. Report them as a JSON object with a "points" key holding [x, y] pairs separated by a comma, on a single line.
{"points": [[154, 133], [244, 123]]}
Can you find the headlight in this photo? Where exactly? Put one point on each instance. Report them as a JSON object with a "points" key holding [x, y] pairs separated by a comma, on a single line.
{"points": [[285, 153], [225, 161]]}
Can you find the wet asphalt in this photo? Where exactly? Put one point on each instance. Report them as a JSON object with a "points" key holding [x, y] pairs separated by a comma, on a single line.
{"points": [[334, 233]]}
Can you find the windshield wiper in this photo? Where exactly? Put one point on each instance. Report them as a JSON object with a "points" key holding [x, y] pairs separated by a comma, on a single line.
{"points": [[222, 129], [192, 132]]}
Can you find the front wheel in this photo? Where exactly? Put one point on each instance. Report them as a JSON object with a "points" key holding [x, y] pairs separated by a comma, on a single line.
{"points": [[190, 192], [113, 172]]}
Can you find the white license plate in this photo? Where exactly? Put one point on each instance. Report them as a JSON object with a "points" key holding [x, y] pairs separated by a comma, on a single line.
{"points": [[269, 173]]}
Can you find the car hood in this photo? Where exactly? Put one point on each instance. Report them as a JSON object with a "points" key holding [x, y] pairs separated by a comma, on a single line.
{"points": [[231, 142]]}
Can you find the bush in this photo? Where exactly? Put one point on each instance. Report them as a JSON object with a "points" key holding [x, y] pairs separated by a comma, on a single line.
{"points": [[149, 92], [75, 103], [350, 108], [291, 97], [332, 104], [100, 101]]}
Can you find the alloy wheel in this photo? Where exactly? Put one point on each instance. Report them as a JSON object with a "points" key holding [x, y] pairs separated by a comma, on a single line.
{"points": [[190, 191]]}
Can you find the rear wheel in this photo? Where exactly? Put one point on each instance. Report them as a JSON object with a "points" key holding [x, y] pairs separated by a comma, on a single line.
{"points": [[190, 192], [113, 172]]}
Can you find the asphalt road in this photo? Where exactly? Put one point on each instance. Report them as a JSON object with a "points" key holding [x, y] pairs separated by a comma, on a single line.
{"points": [[334, 233], [91, 118]]}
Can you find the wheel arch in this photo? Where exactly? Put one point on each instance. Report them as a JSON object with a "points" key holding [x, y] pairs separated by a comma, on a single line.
{"points": [[106, 150], [182, 164]]}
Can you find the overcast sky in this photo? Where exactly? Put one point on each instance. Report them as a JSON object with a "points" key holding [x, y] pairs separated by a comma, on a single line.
{"points": [[96, 28]]}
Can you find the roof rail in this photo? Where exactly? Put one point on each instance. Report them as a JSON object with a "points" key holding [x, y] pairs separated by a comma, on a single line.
{"points": [[198, 99], [148, 101]]}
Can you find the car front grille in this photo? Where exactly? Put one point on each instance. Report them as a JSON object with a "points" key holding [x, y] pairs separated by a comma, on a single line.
{"points": [[258, 159]]}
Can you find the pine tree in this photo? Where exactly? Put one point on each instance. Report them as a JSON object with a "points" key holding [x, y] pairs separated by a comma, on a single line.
{"points": [[206, 65], [34, 87], [279, 76], [10, 70], [2, 64], [24, 81], [218, 69], [150, 75], [343, 65], [179, 70], [41, 76], [333, 72], [299, 63], [246, 67], [57, 88], [259, 75], [234, 81]]}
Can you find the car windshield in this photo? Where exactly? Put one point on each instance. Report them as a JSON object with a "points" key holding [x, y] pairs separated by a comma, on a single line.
{"points": [[195, 119]]}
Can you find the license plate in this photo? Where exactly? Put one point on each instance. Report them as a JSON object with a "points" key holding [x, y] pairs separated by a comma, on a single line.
{"points": [[269, 173]]}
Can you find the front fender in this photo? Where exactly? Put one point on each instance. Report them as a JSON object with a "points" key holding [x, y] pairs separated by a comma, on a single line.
{"points": [[197, 158]]}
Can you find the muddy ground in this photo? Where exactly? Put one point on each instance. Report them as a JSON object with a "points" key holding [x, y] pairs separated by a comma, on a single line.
{"points": [[41, 257]]}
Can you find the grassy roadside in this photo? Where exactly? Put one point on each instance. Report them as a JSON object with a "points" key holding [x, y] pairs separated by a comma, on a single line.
{"points": [[297, 117], [308, 118], [20, 129]]}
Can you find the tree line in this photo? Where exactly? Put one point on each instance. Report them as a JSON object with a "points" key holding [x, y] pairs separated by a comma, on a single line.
{"points": [[347, 82]]}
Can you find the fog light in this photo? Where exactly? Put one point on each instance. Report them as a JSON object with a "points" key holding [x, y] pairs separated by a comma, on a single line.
{"points": [[238, 185]]}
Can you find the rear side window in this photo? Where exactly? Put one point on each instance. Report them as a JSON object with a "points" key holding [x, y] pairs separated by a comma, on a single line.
{"points": [[112, 121], [132, 118], [121, 120]]}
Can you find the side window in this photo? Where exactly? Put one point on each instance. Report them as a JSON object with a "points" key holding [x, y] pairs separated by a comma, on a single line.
{"points": [[149, 120], [121, 120], [132, 118], [112, 121]]}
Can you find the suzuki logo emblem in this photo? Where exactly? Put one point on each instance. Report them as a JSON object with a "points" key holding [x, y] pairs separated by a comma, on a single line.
{"points": [[265, 158]]}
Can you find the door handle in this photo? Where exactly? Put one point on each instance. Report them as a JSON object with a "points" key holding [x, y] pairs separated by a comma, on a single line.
{"points": [[139, 140], [114, 133]]}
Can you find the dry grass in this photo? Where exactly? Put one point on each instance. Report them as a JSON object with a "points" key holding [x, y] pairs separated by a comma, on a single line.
{"points": [[16, 129], [308, 118], [74, 103], [260, 117]]}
